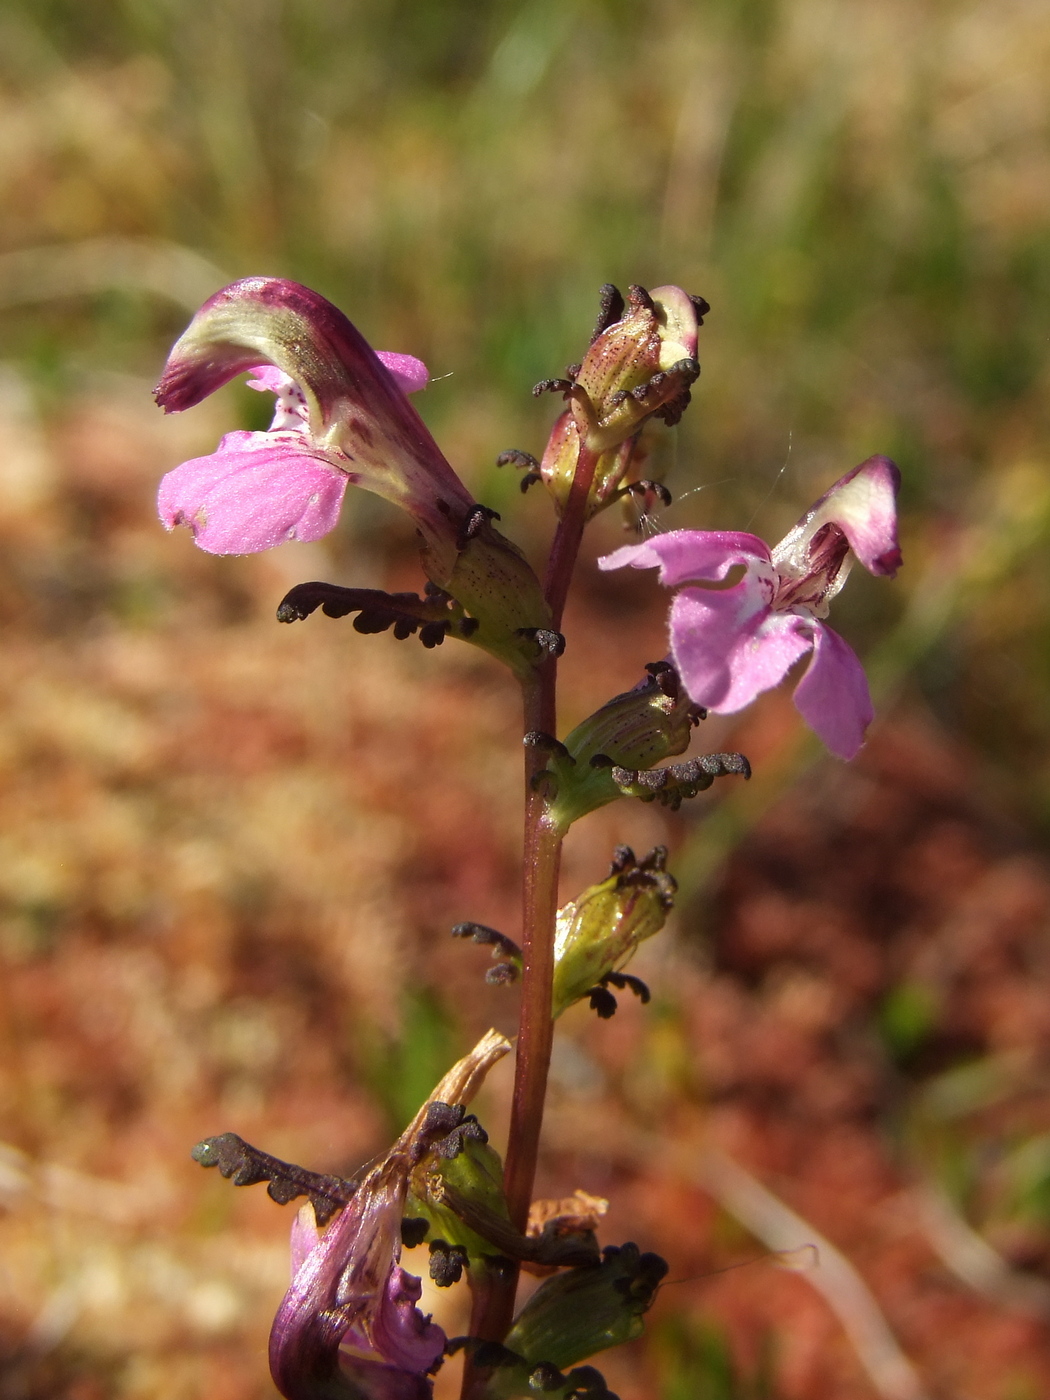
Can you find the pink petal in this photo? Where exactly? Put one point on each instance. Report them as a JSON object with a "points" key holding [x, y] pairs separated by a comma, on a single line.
{"points": [[863, 504], [256, 491], [410, 373], [833, 696], [268, 378], [685, 555], [729, 646]]}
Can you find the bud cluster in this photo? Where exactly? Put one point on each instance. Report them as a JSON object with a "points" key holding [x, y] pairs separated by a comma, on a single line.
{"points": [[639, 367]]}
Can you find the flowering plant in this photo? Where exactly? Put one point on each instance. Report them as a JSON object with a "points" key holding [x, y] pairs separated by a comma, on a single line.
{"points": [[742, 615]]}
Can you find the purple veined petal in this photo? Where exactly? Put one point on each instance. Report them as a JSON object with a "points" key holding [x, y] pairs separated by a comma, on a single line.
{"points": [[355, 405], [359, 1379], [410, 373], [833, 696], [258, 490], [863, 504], [729, 646], [685, 555]]}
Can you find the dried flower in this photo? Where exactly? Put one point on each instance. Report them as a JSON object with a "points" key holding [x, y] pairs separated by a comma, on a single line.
{"points": [[348, 1327]]}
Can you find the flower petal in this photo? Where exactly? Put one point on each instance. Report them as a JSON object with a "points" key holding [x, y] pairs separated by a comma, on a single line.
{"points": [[679, 320], [270, 379], [729, 646], [410, 373], [256, 491], [684, 555], [400, 1331], [863, 504], [833, 696]]}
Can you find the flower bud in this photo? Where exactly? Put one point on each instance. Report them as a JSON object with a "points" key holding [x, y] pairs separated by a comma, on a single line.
{"points": [[635, 730], [598, 933], [580, 1312], [638, 367]]}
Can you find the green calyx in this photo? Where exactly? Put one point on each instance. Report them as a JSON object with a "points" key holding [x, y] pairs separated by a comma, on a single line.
{"points": [[494, 584], [632, 731], [597, 933], [580, 1312], [511, 1375], [475, 1174]]}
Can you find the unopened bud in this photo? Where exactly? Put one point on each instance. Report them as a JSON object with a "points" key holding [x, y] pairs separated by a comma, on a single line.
{"points": [[598, 933], [639, 367], [580, 1312]]}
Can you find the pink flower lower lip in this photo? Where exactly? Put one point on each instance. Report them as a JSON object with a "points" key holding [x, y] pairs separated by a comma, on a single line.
{"points": [[730, 644], [257, 491]]}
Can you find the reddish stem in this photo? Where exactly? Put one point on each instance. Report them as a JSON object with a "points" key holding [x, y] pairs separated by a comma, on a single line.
{"points": [[566, 545], [493, 1309]]}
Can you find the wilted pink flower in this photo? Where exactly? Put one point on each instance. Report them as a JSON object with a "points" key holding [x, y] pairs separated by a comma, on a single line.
{"points": [[342, 417], [349, 1326], [730, 644]]}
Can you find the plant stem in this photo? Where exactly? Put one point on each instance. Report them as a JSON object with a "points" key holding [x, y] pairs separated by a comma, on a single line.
{"points": [[566, 544], [493, 1309]]}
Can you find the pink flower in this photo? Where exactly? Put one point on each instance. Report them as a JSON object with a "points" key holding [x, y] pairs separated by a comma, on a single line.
{"points": [[342, 417], [731, 643]]}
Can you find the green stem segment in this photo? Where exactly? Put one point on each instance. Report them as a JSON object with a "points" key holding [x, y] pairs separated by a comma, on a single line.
{"points": [[493, 1309]]}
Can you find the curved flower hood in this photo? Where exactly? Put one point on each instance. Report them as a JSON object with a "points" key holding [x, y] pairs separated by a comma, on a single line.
{"points": [[342, 418]]}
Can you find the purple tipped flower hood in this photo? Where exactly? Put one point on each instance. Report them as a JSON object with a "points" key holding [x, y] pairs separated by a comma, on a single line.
{"points": [[348, 1327], [730, 644], [342, 417]]}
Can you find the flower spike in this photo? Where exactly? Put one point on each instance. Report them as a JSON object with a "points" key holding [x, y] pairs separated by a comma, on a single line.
{"points": [[730, 644]]}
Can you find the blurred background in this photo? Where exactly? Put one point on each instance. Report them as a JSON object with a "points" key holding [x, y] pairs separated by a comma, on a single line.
{"points": [[231, 852]]}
